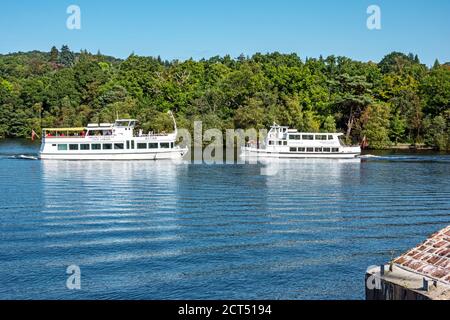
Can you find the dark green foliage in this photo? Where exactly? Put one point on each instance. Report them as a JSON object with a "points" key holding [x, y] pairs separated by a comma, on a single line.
{"points": [[396, 62], [66, 57], [54, 54], [398, 100], [435, 88], [438, 132]]}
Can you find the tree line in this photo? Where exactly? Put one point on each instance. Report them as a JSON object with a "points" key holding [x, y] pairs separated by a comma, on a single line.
{"points": [[398, 100]]}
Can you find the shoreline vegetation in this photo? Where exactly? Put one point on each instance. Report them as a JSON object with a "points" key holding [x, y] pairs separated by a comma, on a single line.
{"points": [[398, 103]]}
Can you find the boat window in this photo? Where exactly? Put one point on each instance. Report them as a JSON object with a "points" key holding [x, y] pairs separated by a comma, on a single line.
{"points": [[321, 137], [330, 137], [326, 149], [165, 145], [294, 137], [96, 146], [62, 147], [309, 149], [335, 149], [128, 144], [171, 145], [307, 137], [122, 123], [301, 149], [153, 146], [84, 147], [284, 143], [280, 143], [107, 146], [293, 149], [118, 146], [318, 149], [73, 147], [132, 144], [271, 143], [142, 146]]}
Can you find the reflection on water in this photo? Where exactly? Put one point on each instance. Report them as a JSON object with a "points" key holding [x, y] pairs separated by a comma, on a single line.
{"points": [[103, 184], [300, 186], [162, 230]]}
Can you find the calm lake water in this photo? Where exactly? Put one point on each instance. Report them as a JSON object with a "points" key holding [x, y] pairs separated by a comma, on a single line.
{"points": [[160, 230]]}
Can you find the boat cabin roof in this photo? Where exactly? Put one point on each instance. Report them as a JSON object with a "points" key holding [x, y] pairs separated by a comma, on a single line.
{"points": [[64, 129], [286, 129], [119, 123], [316, 133]]}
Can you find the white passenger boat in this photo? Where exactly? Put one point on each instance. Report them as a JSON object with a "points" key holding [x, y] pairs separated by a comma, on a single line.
{"points": [[282, 142], [117, 141]]}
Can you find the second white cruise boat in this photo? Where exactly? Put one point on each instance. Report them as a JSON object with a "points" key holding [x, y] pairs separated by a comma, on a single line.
{"points": [[282, 142]]}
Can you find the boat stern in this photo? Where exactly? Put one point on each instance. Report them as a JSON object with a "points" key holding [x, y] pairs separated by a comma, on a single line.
{"points": [[355, 150]]}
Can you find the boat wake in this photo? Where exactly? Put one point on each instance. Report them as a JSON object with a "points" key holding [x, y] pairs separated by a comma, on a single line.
{"points": [[366, 157], [407, 158], [21, 157]]}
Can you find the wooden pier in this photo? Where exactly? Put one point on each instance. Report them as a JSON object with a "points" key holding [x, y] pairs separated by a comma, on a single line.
{"points": [[423, 273]]}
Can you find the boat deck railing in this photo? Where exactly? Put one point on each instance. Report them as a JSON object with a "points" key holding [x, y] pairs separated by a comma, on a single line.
{"points": [[151, 134]]}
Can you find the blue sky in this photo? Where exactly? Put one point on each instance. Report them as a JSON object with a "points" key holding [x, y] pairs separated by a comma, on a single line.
{"points": [[177, 29]]}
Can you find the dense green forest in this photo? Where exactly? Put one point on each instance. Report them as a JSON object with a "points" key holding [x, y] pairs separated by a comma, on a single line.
{"points": [[398, 100]]}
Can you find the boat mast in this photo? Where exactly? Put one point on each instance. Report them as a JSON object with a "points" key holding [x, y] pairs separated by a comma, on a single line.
{"points": [[174, 122]]}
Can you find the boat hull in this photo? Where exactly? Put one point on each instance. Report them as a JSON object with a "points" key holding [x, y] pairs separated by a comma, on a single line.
{"points": [[169, 155], [261, 153]]}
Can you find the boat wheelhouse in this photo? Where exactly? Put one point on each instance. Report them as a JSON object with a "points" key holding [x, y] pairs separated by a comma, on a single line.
{"points": [[282, 142], [105, 141]]}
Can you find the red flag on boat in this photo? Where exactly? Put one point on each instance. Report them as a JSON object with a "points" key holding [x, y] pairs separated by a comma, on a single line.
{"points": [[33, 135]]}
